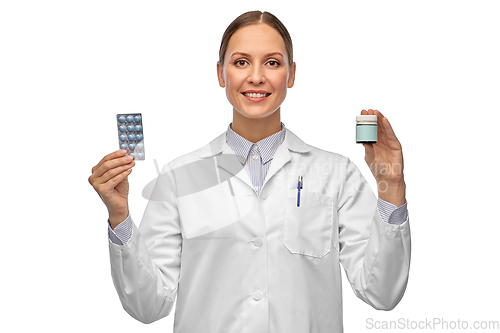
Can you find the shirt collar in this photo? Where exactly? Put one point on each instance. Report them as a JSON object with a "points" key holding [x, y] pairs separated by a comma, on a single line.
{"points": [[267, 146], [218, 145]]}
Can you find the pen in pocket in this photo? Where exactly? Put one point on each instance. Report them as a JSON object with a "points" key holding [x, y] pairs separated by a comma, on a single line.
{"points": [[299, 186]]}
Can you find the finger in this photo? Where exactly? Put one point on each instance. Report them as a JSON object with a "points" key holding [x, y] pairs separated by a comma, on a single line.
{"points": [[380, 117], [388, 129], [118, 178], [111, 164], [369, 152], [381, 131], [377, 112], [364, 112], [113, 172], [113, 155], [98, 181], [105, 190], [384, 123]]}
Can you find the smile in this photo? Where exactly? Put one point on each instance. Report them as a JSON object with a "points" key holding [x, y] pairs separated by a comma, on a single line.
{"points": [[256, 97]]}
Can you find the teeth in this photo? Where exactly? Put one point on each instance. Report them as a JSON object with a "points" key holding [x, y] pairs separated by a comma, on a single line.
{"points": [[255, 95]]}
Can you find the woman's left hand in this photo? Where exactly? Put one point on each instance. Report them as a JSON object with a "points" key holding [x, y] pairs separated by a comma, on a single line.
{"points": [[385, 157]]}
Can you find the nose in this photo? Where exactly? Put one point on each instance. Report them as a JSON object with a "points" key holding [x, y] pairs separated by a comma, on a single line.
{"points": [[256, 75]]}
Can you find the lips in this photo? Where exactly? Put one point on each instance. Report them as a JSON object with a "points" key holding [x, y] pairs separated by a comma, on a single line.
{"points": [[256, 98], [256, 92], [256, 95]]}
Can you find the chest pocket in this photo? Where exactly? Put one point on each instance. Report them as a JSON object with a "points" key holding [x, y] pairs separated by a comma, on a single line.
{"points": [[308, 228]]}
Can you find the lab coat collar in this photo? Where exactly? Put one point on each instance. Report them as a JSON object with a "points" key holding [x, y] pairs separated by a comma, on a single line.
{"points": [[219, 145], [232, 165]]}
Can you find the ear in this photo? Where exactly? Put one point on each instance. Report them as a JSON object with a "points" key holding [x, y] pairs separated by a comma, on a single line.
{"points": [[220, 75], [291, 77]]}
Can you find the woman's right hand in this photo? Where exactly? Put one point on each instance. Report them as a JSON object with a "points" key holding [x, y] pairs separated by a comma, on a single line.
{"points": [[109, 179]]}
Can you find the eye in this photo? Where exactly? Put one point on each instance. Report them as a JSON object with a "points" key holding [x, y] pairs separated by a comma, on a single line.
{"points": [[273, 63], [240, 63]]}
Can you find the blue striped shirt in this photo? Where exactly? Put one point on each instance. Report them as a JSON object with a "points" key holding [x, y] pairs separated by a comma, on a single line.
{"points": [[257, 158]]}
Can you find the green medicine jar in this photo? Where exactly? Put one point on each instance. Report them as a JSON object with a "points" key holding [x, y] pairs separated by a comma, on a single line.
{"points": [[366, 129]]}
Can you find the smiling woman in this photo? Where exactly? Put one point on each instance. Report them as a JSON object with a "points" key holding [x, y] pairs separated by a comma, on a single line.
{"points": [[259, 250], [256, 67]]}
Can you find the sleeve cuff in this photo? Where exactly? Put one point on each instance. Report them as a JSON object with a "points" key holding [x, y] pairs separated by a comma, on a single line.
{"points": [[391, 213], [122, 233]]}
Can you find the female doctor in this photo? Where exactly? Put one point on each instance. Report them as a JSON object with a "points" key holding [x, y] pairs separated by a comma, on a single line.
{"points": [[251, 249]]}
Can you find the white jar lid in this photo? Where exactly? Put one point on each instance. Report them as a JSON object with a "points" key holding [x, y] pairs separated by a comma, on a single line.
{"points": [[368, 119]]}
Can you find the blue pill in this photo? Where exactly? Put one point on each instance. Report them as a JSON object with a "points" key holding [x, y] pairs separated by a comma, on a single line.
{"points": [[130, 137], [139, 156], [123, 146], [138, 137], [130, 119], [123, 137], [130, 128], [132, 154], [137, 119], [139, 146], [138, 128], [121, 119], [131, 146], [122, 128]]}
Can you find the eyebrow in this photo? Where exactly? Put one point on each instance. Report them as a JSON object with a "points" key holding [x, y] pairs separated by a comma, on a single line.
{"points": [[248, 55]]}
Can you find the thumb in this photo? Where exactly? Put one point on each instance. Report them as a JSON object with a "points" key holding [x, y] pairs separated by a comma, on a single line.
{"points": [[369, 153]]}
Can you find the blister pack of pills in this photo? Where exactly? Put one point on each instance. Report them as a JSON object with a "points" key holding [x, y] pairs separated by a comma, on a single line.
{"points": [[131, 134]]}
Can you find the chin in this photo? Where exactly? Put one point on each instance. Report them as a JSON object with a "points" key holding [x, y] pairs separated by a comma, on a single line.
{"points": [[255, 113]]}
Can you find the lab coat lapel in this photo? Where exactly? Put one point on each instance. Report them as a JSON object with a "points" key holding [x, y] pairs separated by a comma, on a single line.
{"points": [[227, 159], [229, 162], [280, 158], [282, 155]]}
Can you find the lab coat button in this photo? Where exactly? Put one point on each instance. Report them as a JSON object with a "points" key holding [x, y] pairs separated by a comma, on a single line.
{"points": [[263, 195], [257, 295], [256, 188], [255, 157], [257, 242]]}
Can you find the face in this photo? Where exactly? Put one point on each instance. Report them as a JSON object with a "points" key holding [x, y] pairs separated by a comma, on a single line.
{"points": [[256, 73]]}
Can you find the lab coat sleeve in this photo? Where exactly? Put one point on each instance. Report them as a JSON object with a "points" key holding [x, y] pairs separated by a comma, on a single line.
{"points": [[146, 269], [374, 254]]}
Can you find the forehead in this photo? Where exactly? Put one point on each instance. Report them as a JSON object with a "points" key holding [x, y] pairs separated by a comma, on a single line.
{"points": [[256, 39]]}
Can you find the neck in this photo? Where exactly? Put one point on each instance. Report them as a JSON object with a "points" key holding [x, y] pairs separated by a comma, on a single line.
{"points": [[256, 129]]}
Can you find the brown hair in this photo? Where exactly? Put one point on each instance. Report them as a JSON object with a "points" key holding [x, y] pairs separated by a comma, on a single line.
{"points": [[256, 17]]}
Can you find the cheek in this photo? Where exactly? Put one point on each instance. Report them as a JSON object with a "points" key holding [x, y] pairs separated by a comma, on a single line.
{"points": [[233, 79], [279, 81]]}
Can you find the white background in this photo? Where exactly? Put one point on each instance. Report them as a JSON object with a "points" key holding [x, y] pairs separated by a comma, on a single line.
{"points": [[67, 67]]}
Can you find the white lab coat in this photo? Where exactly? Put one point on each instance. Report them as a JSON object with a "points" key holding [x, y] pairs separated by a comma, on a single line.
{"points": [[238, 262]]}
